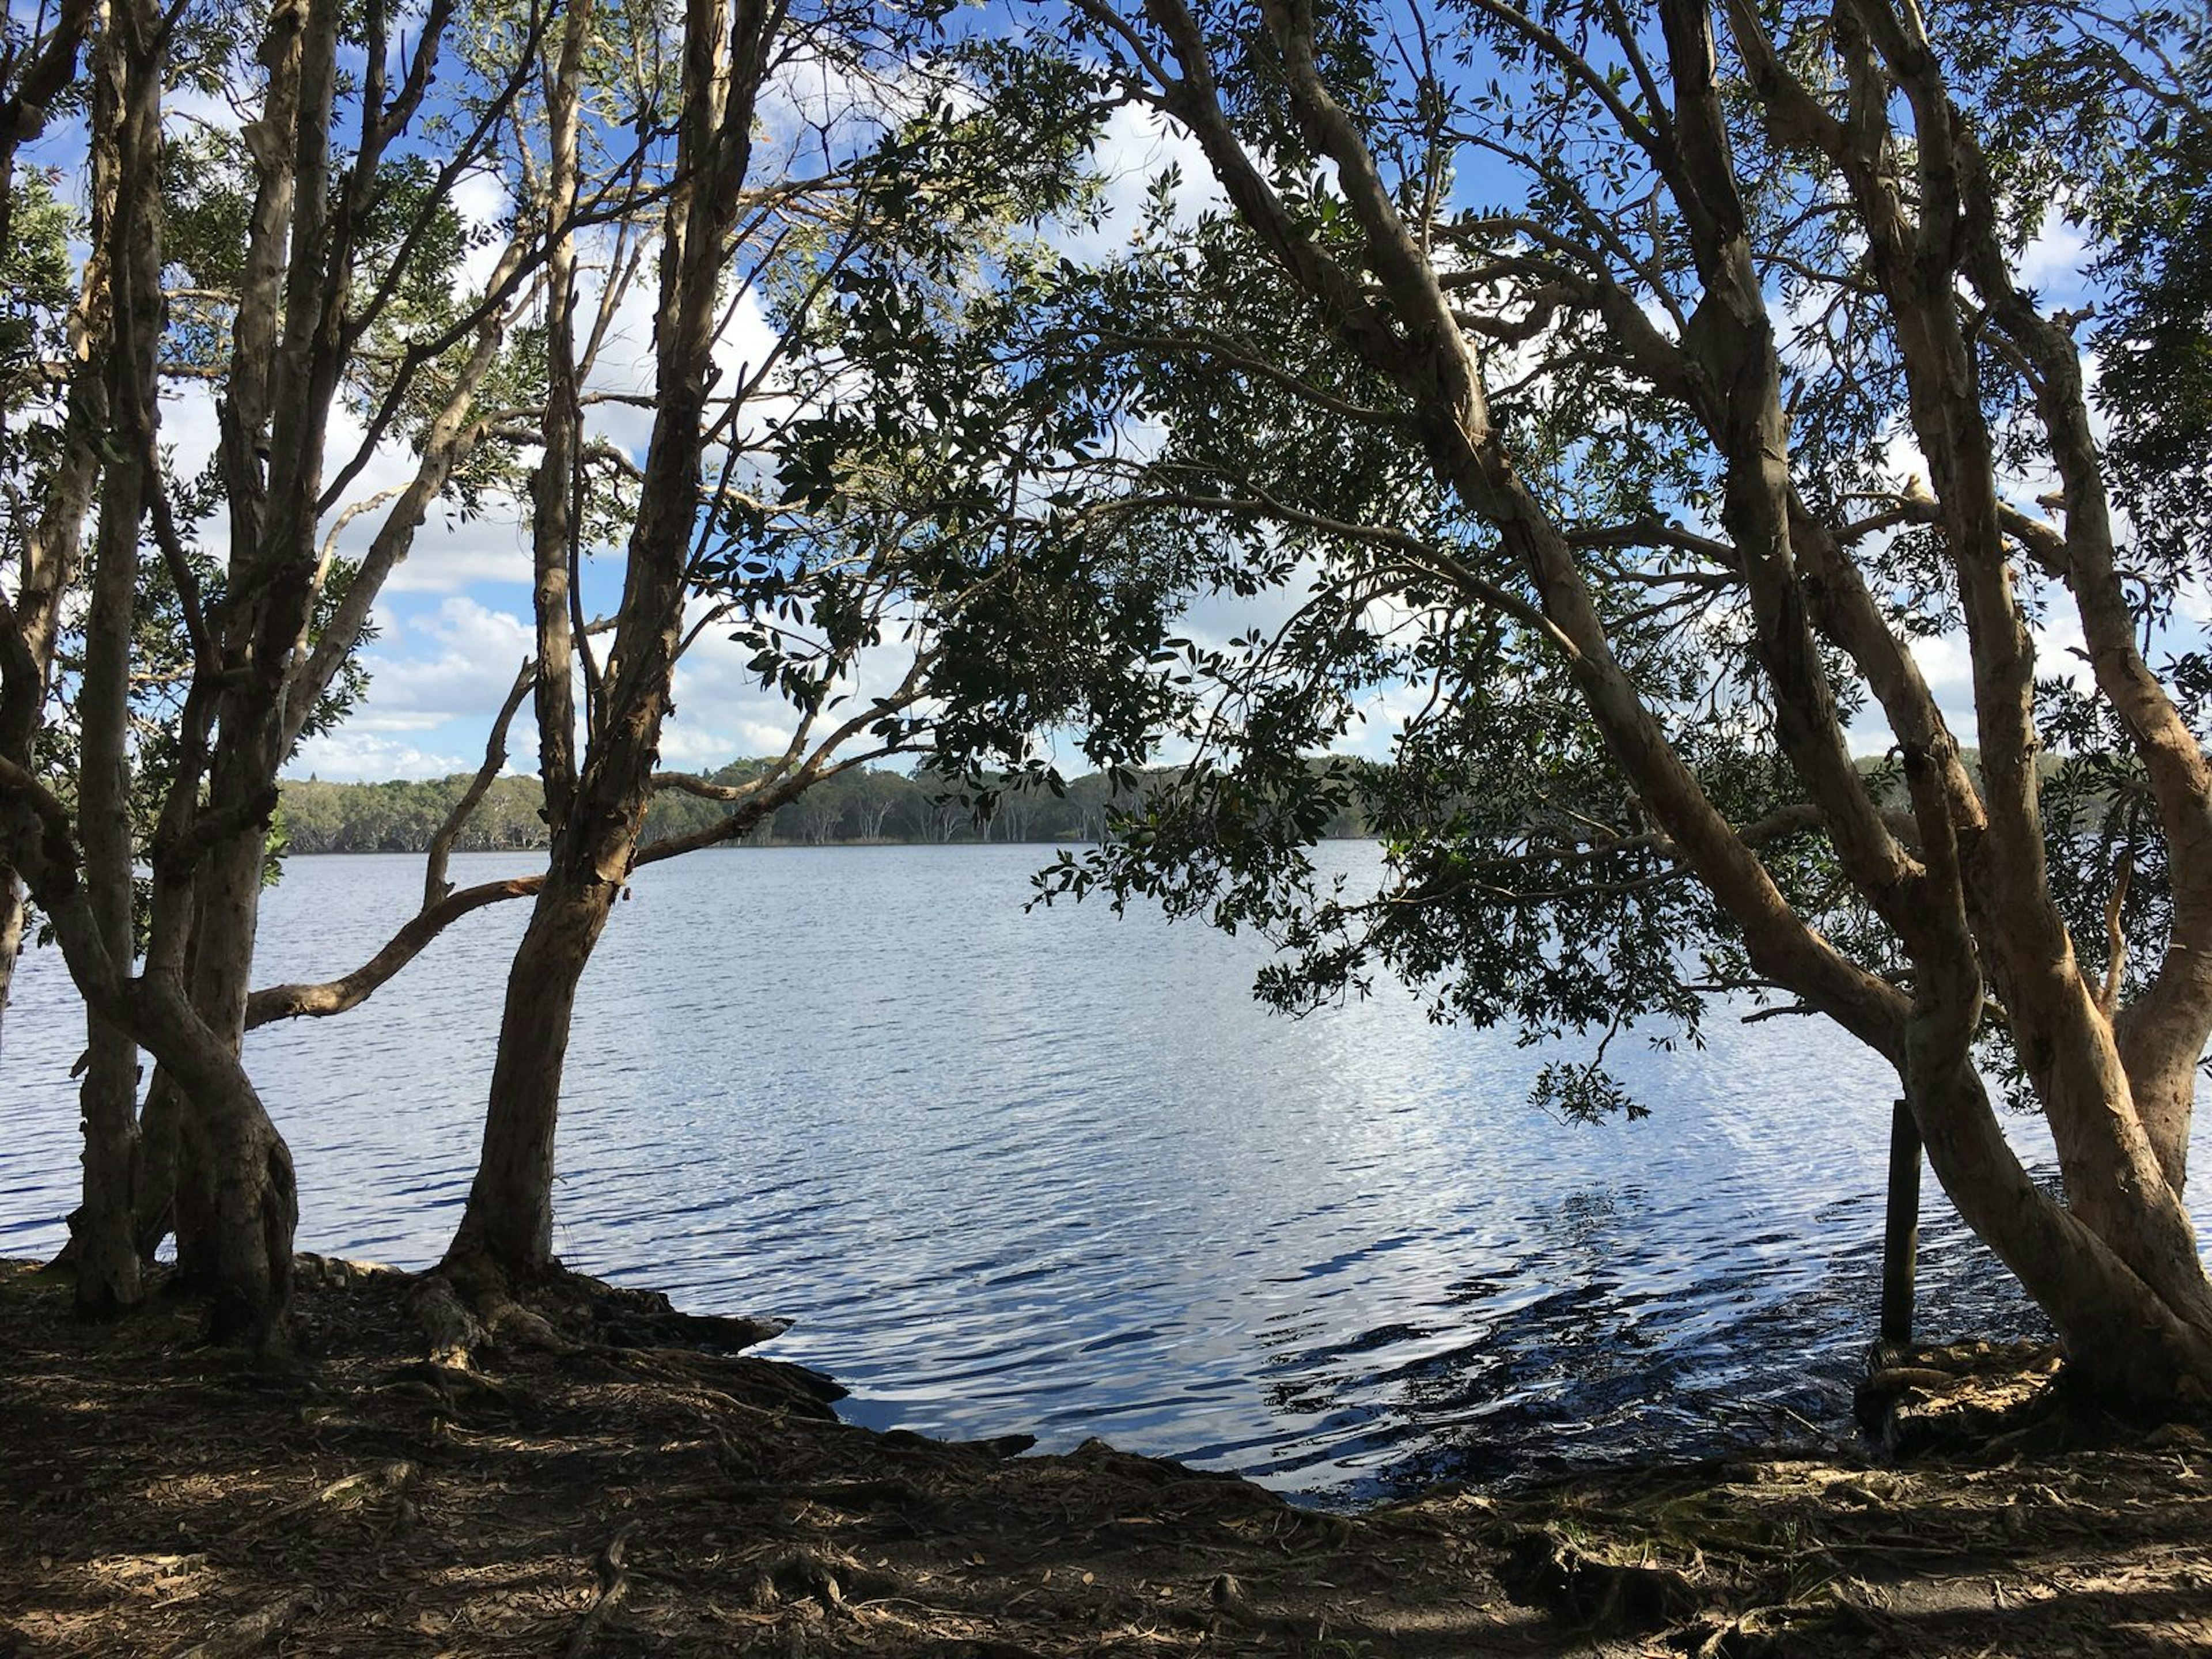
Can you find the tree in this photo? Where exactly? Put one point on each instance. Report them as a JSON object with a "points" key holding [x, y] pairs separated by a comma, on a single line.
{"points": [[347, 247], [870, 797], [319, 280], [596, 799], [320, 267], [1630, 387], [870, 502], [51, 464]]}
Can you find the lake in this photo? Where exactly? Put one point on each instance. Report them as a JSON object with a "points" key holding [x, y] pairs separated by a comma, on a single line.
{"points": [[1053, 1171]]}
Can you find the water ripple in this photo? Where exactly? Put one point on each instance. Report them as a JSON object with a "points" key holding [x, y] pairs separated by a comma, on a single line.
{"points": [[1056, 1173]]}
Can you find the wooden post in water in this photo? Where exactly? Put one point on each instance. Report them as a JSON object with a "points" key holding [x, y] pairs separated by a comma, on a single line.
{"points": [[1900, 1243]]}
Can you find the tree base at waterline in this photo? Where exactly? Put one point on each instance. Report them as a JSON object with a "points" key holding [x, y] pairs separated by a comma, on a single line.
{"points": [[470, 1306], [614, 1500]]}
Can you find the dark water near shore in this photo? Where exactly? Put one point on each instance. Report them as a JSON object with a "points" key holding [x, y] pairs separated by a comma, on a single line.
{"points": [[1054, 1172]]}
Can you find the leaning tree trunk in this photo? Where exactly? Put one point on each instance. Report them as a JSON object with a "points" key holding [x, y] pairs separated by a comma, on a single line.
{"points": [[2161, 1042], [2121, 1339], [598, 809], [508, 1223], [507, 1228]]}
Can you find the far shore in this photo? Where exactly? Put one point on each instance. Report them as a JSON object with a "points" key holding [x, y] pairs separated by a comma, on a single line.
{"points": [[726, 847]]}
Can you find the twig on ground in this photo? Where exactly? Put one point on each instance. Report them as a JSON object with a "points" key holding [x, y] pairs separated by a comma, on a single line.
{"points": [[614, 1585]]}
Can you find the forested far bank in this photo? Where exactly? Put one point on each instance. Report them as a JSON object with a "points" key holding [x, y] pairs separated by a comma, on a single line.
{"points": [[863, 806]]}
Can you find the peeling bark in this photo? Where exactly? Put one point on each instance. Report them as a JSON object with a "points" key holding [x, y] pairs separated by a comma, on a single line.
{"points": [[127, 118]]}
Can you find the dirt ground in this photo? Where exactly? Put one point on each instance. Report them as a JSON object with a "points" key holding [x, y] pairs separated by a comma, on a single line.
{"points": [[158, 1498]]}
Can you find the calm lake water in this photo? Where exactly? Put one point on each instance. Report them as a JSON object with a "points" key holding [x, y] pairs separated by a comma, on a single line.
{"points": [[1054, 1172]]}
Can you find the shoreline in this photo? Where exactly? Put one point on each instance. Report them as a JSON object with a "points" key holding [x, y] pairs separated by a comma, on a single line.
{"points": [[740, 845], [615, 1499]]}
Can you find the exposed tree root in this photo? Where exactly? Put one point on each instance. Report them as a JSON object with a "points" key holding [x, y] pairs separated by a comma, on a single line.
{"points": [[1584, 1587], [474, 1310], [614, 1586], [453, 1332], [250, 1635], [467, 1302], [462, 1392], [378, 1494], [804, 1575], [1913, 1401]]}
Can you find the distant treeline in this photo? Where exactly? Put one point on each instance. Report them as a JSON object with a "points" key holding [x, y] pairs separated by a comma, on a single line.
{"points": [[856, 807], [859, 808]]}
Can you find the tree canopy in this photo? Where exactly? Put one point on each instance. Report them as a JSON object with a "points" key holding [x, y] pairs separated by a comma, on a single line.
{"points": [[1628, 399]]}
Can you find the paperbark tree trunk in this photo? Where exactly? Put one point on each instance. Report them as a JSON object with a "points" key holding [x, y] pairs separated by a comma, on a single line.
{"points": [[554, 530], [127, 118], [210, 1156], [48, 560], [235, 1199], [2123, 1340], [506, 1230], [2161, 1040], [14, 915], [248, 1211], [296, 325], [508, 1221], [153, 1189], [235, 1205]]}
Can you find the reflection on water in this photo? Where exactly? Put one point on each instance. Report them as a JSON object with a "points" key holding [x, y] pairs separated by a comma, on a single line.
{"points": [[1054, 1172]]}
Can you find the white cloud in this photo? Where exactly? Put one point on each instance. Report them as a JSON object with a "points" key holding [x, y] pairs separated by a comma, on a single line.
{"points": [[448, 553], [452, 563], [189, 427], [695, 746], [351, 753], [475, 652], [623, 366], [1136, 145], [722, 713], [189, 106], [2054, 262], [482, 200]]}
